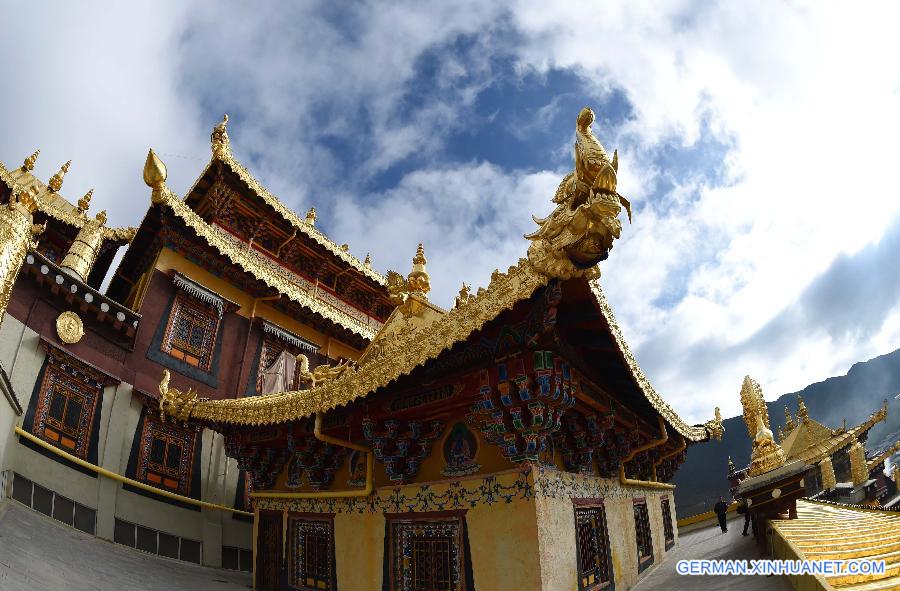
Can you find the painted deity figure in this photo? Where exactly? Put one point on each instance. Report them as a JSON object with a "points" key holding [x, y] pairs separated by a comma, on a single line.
{"points": [[460, 449]]}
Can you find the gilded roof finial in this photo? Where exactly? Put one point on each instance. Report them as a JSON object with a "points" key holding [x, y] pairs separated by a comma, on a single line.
{"points": [[788, 420], [418, 280], [345, 247], [85, 202], [221, 145], [101, 217], [311, 216], [731, 468], [155, 175], [56, 180], [802, 413], [465, 293], [368, 262], [28, 165], [766, 454]]}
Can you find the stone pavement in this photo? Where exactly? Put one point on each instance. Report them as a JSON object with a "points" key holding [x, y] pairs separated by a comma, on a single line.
{"points": [[38, 554], [711, 544]]}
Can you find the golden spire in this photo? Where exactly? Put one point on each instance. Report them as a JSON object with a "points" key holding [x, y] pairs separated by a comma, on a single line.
{"points": [[85, 202], [802, 413], [155, 175], [311, 216], [28, 165], [221, 145], [56, 180], [731, 469], [418, 279], [465, 293], [788, 420]]}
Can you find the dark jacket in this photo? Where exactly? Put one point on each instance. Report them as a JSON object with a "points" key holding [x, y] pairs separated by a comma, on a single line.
{"points": [[721, 508]]}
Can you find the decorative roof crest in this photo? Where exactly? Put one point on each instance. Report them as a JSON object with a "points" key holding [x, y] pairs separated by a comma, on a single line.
{"points": [[56, 180], [579, 233], [29, 163], [221, 145], [155, 176], [418, 280], [85, 202], [311, 216]]}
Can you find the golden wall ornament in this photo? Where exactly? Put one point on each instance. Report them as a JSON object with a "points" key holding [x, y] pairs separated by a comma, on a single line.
{"points": [[829, 481], [858, 469], [766, 455], [580, 232], [69, 327], [82, 254], [17, 232]]}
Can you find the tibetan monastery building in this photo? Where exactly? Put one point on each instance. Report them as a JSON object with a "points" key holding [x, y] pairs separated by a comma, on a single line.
{"points": [[248, 394]]}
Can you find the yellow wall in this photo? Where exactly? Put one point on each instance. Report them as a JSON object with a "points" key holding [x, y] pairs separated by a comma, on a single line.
{"points": [[503, 536], [556, 523], [169, 259]]}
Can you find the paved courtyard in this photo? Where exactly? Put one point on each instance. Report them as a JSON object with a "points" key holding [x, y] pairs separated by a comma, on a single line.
{"points": [[711, 544], [38, 554]]}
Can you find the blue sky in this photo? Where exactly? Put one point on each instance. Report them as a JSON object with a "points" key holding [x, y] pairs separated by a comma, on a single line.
{"points": [[756, 142]]}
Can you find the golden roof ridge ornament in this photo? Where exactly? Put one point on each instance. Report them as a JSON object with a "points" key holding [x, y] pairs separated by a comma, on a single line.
{"points": [[418, 281], [221, 144], [155, 174], [579, 233], [311, 216], [29, 163], [85, 202], [788, 419], [56, 181], [802, 413], [714, 426], [367, 263]]}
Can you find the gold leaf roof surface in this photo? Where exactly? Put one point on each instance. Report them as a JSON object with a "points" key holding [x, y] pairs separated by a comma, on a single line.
{"points": [[55, 205], [257, 265]]}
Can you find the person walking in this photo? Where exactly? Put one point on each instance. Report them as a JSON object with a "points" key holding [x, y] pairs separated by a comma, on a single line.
{"points": [[745, 505], [720, 509]]}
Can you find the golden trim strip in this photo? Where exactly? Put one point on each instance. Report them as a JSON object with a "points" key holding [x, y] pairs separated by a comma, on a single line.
{"points": [[655, 443], [124, 479]]}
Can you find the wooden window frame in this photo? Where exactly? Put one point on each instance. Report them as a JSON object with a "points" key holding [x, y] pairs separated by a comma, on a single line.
{"points": [[299, 527], [66, 377], [186, 307], [589, 580], [397, 526], [641, 512], [161, 475]]}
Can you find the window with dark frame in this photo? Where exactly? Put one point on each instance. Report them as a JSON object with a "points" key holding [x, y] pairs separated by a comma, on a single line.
{"points": [[592, 548], [191, 332], [65, 405], [166, 455], [426, 554], [643, 534], [311, 548], [668, 530]]}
